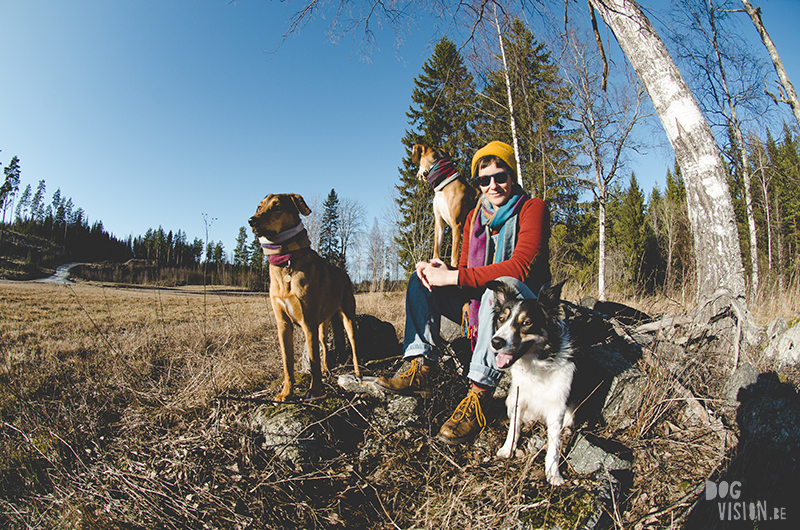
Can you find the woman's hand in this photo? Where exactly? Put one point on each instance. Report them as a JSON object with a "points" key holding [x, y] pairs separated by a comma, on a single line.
{"points": [[420, 268], [436, 273]]}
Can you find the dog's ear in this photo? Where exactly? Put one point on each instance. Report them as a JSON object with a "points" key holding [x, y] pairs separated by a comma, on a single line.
{"points": [[416, 153], [550, 295], [300, 203], [502, 293]]}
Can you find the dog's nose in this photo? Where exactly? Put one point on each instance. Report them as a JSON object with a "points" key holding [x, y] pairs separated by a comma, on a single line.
{"points": [[252, 221], [498, 343]]}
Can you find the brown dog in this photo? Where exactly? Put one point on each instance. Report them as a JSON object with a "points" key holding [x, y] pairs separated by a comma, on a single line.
{"points": [[452, 200], [304, 288]]}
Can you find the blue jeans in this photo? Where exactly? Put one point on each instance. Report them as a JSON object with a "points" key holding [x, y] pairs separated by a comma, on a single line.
{"points": [[424, 311]]}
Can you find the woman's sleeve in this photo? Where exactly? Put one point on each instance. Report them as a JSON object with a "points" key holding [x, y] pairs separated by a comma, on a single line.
{"points": [[532, 239]]}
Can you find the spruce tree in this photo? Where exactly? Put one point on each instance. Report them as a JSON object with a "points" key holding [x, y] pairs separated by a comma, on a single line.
{"points": [[241, 253], [441, 115], [329, 242], [631, 231]]}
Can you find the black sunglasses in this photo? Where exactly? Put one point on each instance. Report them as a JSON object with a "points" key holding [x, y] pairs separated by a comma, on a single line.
{"points": [[499, 178]]}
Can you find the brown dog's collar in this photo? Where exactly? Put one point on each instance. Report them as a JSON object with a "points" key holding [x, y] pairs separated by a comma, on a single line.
{"points": [[285, 260]]}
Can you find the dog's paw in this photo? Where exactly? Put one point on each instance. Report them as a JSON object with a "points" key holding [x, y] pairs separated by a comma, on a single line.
{"points": [[504, 453], [555, 479], [312, 395]]}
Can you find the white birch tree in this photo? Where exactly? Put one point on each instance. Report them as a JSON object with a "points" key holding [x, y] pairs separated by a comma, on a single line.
{"points": [[726, 81], [716, 241]]}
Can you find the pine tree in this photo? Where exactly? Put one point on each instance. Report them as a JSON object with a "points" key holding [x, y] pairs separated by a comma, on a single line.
{"points": [[441, 115], [9, 189], [37, 208], [329, 243], [23, 204]]}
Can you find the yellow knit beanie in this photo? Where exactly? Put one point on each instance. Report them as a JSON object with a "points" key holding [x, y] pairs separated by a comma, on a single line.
{"points": [[499, 149]]}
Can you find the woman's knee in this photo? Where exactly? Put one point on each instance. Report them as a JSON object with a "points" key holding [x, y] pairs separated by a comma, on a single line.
{"points": [[521, 288]]}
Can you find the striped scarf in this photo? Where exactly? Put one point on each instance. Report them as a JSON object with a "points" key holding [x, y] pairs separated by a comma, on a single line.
{"points": [[286, 246], [481, 251], [441, 174]]}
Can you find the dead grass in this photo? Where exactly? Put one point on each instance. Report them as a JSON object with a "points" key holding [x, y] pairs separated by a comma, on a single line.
{"points": [[111, 416]]}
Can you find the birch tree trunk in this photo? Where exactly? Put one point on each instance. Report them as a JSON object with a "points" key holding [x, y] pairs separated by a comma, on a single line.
{"points": [[790, 94], [518, 169], [601, 240], [719, 263]]}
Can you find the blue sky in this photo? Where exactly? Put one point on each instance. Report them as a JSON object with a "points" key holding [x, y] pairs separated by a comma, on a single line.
{"points": [[154, 112]]}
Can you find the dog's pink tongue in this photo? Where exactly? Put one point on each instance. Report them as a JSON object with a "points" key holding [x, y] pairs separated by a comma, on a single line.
{"points": [[503, 360]]}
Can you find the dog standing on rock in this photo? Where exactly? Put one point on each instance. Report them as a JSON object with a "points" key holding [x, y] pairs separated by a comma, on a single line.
{"points": [[452, 200], [535, 346], [303, 289]]}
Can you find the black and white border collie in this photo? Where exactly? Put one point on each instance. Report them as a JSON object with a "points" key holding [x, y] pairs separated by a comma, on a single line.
{"points": [[534, 344]]}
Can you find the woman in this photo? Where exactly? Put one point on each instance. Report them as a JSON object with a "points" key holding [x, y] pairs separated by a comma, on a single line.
{"points": [[506, 235]]}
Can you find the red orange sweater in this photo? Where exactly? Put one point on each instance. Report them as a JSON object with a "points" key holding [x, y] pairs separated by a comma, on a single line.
{"points": [[530, 259]]}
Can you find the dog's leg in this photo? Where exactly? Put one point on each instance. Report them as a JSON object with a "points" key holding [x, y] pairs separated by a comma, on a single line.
{"points": [[312, 344], [339, 344], [554, 425], [323, 345], [286, 343], [514, 424], [438, 232], [458, 230], [349, 326]]}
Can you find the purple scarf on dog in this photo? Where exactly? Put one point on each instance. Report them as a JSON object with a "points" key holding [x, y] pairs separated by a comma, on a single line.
{"points": [[443, 170], [486, 219]]}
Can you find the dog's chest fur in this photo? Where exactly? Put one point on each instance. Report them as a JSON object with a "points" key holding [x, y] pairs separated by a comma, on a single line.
{"points": [[540, 388]]}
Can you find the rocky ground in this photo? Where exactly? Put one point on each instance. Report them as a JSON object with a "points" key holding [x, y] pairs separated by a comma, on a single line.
{"points": [[671, 406]]}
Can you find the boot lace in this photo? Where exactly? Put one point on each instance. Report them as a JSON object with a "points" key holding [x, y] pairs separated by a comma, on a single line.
{"points": [[470, 405], [411, 372]]}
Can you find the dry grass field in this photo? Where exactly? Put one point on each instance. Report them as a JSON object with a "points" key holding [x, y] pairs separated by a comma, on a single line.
{"points": [[117, 410]]}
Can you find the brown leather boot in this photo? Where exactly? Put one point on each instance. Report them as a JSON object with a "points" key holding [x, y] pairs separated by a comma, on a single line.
{"points": [[414, 381], [468, 420]]}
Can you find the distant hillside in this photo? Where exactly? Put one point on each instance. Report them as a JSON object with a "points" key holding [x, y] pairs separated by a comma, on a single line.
{"points": [[27, 257]]}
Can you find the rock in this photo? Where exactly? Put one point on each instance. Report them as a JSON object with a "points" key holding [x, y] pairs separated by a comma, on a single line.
{"points": [[300, 433], [376, 339], [745, 375], [766, 461], [775, 328], [785, 347], [449, 330], [290, 432], [624, 398], [769, 416], [587, 458], [588, 302], [400, 412], [365, 385], [610, 466]]}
